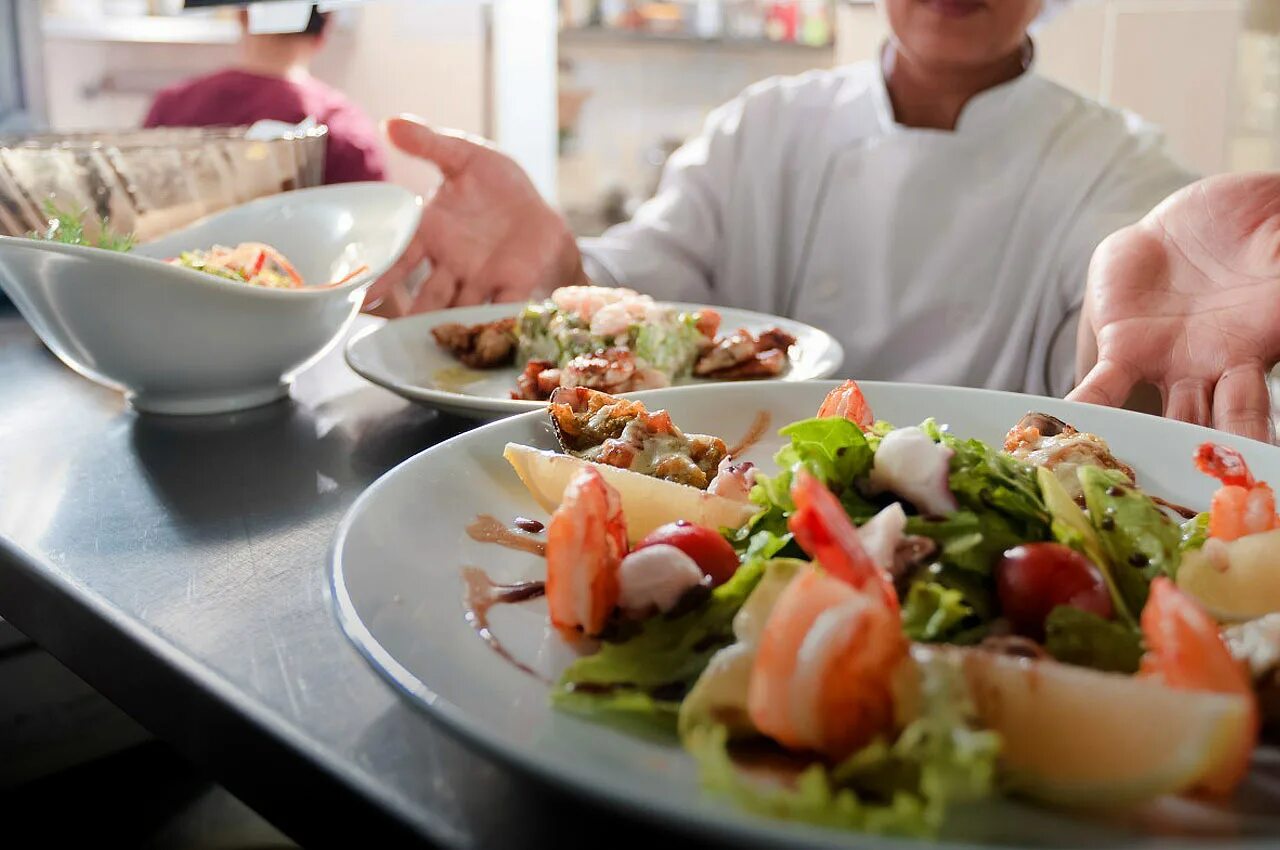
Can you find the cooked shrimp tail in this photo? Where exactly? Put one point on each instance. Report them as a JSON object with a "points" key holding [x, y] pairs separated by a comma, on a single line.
{"points": [[1185, 650], [847, 401], [824, 531], [1242, 505], [586, 541], [822, 676]]}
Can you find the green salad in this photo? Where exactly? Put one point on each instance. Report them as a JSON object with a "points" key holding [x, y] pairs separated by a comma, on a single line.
{"points": [[1005, 599], [662, 337]]}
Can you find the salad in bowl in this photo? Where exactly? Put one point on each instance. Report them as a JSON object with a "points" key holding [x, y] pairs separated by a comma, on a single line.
{"points": [[183, 326]]}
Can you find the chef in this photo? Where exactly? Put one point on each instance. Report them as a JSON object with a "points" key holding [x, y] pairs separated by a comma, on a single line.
{"points": [[935, 210]]}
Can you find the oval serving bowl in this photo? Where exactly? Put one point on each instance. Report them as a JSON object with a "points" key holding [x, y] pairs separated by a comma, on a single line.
{"points": [[180, 341]]}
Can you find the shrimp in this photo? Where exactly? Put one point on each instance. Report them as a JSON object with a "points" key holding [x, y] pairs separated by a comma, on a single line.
{"points": [[742, 354], [708, 322], [1185, 650], [822, 528], [586, 301], [610, 370], [847, 400], [823, 673], [586, 541], [822, 676], [1242, 504]]}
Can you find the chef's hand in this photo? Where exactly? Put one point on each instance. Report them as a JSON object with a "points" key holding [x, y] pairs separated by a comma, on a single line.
{"points": [[1188, 300], [487, 232]]}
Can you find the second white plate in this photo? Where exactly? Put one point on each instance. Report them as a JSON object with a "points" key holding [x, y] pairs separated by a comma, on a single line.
{"points": [[402, 356]]}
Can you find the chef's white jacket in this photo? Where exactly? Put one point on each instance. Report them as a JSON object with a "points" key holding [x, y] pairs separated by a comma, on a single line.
{"points": [[933, 256]]}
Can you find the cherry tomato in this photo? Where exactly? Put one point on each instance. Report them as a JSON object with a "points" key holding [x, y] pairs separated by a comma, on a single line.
{"points": [[711, 552], [1035, 578]]}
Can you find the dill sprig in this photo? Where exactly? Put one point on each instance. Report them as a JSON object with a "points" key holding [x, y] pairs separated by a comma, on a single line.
{"points": [[68, 227]]}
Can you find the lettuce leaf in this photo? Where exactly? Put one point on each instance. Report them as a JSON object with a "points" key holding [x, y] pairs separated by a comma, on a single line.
{"points": [[1195, 532], [1072, 528], [1140, 540], [903, 788], [1079, 637], [669, 345], [719, 697], [934, 613], [1000, 505], [985, 479], [967, 540], [650, 672], [835, 450]]}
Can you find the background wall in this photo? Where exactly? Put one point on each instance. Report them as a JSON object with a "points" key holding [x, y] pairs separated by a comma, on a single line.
{"points": [[640, 95], [1175, 62]]}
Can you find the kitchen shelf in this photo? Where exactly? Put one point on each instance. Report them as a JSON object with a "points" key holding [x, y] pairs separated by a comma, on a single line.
{"points": [[612, 37], [155, 29]]}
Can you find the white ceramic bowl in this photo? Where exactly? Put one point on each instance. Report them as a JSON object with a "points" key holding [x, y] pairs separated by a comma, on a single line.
{"points": [[185, 342]]}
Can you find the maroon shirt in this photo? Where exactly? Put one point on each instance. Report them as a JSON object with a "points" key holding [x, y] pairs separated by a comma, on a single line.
{"points": [[234, 98]]}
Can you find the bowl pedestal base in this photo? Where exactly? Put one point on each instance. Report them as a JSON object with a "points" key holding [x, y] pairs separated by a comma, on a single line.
{"points": [[174, 405]]}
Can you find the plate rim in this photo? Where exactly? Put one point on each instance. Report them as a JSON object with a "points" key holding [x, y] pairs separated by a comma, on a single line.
{"points": [[508, 406], [744, 825]]}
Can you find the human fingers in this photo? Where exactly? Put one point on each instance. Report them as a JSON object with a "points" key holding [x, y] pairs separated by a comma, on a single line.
{"points": [[1190, 400], [506, 295], [390, 292], [451, 152], [1086, 340], [437, 291], [1108, 383], [1242, 403], [472, 292]]}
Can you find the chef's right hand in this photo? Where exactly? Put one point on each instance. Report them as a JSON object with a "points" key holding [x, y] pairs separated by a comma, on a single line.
{"points": [[487, 232]]}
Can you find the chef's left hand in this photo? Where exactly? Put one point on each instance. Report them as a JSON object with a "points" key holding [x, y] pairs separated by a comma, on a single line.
{"points": [[1188, 300]]}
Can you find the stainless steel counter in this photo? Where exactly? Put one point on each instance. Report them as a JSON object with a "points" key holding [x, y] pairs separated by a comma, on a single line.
{"points": [[178, 565]]}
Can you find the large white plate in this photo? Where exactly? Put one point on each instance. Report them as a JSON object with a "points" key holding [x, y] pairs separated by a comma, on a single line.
{"points": [[402, 356], [396, 581]]}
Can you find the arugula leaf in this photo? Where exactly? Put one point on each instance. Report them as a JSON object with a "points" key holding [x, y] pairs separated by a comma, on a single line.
{"points": [[1140, 540], [1000, 505], [1080, 637], [984, 480], [1072, 528]]}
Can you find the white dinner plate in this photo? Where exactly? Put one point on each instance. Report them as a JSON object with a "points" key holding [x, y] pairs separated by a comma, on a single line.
{"points": [[402, 356], [396, 574]]}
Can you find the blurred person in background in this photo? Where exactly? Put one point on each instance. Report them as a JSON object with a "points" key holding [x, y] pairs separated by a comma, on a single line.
{"points": [[935, 209], [273, 82]]}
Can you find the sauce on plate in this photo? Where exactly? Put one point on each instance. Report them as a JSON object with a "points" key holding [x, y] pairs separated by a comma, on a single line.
{"points": [[482, 594], [518, 536], [754, 434]]}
